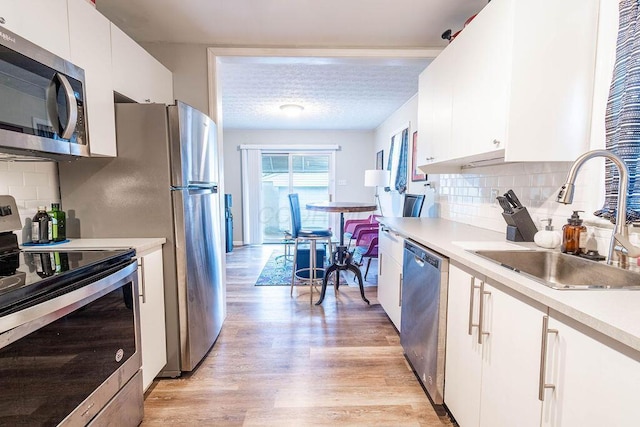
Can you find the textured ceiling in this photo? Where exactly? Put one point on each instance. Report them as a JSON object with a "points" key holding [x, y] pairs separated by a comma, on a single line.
{"points": [[347, 94], [336, 94]]}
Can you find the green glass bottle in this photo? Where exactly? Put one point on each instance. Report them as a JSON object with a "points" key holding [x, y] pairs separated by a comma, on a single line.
{"points": [[58, 223]]}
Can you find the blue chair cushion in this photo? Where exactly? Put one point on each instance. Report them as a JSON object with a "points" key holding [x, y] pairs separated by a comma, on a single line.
{"points": [[360, 250], [314, 233]]}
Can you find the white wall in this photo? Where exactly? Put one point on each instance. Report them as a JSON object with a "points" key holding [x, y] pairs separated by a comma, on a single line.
{"points": [[391, 201], [355, 156]]}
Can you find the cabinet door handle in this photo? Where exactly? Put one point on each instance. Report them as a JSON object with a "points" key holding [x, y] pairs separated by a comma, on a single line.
{"points": [[380, 264], [542, 385], [471, 298], [496, 142], [400, 291], [143, 288], [2, 20], [481, 333]]}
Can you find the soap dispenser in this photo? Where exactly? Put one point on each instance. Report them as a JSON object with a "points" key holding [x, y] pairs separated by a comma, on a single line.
{"points": [[574, 235], [547, 238]]}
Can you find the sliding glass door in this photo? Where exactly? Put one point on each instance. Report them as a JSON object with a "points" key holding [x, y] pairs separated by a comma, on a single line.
{"points": [[310, 174]]}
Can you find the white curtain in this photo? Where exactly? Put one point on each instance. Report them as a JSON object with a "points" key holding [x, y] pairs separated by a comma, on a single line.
{"points": [[251, 194]]}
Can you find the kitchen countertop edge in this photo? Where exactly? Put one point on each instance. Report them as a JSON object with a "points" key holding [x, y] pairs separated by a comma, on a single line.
{"points": [[613, 313], [140, 244]]}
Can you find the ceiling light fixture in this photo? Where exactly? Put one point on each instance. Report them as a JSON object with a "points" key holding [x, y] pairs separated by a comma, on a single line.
{"points": [[292, 110]]}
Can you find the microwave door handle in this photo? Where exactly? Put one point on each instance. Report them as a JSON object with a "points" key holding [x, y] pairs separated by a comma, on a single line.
{"points": [[72, 105], [52, 104]]}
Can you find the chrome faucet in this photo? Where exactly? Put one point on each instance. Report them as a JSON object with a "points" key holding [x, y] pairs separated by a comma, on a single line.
{"points": [[620, 243]]}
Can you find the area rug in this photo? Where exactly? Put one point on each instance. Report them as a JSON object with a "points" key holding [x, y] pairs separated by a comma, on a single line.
{"points": [[277, 272]]}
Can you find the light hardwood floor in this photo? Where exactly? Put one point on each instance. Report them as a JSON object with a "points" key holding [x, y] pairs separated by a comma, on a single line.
{"points": [[281, 362]]}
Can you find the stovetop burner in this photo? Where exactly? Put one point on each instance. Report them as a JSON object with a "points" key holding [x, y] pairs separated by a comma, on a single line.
{"points": [[25, 275]]}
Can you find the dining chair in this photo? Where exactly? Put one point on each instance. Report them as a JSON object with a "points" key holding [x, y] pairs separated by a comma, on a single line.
{"points": [[412, 205], [351, 224], [311, 236], [366, 247]]}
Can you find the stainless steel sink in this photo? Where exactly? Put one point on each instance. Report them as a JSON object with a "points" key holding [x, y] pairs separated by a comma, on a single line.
{"points": [[562, 271]]}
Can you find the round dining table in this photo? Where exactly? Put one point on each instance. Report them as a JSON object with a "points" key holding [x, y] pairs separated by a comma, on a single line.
{"points": [[341, 258]]}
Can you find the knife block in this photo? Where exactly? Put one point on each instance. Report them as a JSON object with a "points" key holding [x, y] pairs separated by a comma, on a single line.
{"points": [[520, 226]]}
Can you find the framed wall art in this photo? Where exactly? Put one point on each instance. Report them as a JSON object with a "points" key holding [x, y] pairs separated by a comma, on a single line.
{"points": [[380, 160]]}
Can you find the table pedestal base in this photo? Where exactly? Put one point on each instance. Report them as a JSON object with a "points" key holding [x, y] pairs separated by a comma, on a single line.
{"points": [[341, 261]]}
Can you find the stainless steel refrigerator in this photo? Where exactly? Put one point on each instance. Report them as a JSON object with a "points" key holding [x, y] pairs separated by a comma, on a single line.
{"points": [[164, 183]]}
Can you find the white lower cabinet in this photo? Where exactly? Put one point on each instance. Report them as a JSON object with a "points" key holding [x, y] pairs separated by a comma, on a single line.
{"points": [[390, 248], [595, 380], [463, 367], [509, 363], [492, 355], [152, 326]]}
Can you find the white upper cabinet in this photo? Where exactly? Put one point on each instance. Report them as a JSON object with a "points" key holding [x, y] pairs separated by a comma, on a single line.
{"points": [[42, 22], [435, 96], [521, 77], [479, 107], [553, 78], [90, 37], [112, 61], [136, 74]]}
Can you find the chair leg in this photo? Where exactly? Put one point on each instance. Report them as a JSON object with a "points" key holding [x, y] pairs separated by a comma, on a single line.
{"points": [[293, 269], [312, 269], [367, 270]]}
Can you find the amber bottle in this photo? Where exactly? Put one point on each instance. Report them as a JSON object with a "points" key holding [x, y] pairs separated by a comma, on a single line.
{"points": [[574, 235]]}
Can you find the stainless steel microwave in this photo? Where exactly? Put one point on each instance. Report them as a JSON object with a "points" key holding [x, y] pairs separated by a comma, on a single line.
{"points": [[42, 102]]}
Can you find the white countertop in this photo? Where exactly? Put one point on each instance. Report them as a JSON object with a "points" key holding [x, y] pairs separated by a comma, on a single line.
{"points": [[141, 245], [615, 313]]}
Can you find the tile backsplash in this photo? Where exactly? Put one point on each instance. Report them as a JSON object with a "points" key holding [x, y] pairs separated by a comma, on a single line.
{"points": [[464, 197], [467, 197], [32, 184]]}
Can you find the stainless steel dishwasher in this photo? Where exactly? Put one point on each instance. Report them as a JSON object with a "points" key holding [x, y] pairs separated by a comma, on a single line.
{"points": [[424, 315]]}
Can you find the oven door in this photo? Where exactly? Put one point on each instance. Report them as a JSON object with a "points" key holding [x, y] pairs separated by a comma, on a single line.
{"points": [[62, 361]]}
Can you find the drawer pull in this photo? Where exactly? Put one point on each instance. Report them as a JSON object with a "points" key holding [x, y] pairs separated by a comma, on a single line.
{"points": [[471, 298], [542, 386], [482, 333], [143, 287]]}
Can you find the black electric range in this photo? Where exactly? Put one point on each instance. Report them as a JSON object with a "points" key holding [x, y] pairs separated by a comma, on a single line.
{"points": [[31, 277], [28, 277]]}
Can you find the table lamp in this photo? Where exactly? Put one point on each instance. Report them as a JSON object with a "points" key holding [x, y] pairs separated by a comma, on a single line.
{"points": [[376, 178]]}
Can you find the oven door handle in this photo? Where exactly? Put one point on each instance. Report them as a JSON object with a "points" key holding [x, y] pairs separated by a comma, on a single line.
{"points": [[21, 323]]}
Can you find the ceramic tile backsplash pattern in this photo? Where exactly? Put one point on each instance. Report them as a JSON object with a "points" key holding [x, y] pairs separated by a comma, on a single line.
{"points": [[32, 184], [467, 197]]}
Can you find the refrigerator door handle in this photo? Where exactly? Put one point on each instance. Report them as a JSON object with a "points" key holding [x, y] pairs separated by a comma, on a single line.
{"points": [[206, 184], [208, 188]]}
